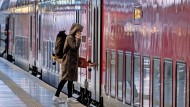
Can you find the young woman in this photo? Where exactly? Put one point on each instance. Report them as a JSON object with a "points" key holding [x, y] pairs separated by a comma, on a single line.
{"points": [[69, 64]]}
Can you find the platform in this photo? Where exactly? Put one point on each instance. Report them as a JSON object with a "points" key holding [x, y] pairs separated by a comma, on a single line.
{"points": [[18, 88]]}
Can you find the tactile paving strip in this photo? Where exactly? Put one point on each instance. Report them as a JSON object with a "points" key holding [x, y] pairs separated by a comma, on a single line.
{"points": [[24, 97]]}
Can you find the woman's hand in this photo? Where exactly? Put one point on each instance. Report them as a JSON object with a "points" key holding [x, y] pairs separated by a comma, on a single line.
{"points": [[92, 64]]}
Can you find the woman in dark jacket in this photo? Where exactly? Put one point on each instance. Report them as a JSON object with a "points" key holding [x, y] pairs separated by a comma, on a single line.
{"points": [[69, 65]]}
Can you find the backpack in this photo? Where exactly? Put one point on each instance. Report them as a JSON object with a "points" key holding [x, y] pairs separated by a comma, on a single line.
{"points": [[59, 44]]}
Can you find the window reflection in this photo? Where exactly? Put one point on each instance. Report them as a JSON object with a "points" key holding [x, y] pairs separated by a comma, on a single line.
{"points": [[168, 83], [107, 73], [113, 74], [181, 84], [45, 47], [136, 89], [120, 75], [156, 83], [22, 47], [128, 78], [146, 81]]}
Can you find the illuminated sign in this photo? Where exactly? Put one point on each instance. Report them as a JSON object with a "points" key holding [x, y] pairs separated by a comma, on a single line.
{"points": [[138, 14]]}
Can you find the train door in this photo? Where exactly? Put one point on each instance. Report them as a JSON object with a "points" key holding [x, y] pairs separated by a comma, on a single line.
{"points": [[8, 39], [3, 35], [39, 42], [7, 35], [11, 38], [81, 18], [94, 44], [32, 40]]}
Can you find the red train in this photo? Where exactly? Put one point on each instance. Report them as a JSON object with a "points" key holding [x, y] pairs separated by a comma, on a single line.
{"points": [[140, 47]]}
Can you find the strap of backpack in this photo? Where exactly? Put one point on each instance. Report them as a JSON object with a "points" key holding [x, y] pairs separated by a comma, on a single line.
{"points": [[66, 50]]}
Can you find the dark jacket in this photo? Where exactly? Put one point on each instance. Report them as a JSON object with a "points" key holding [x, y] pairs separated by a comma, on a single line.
{"points": [[69, 63]]}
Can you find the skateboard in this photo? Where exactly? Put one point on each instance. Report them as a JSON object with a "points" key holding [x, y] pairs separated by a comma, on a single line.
{"points": [[83, 63]]}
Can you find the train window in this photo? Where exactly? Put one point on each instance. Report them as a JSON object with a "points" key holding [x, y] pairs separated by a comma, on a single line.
{"points": [[44, 52], [83, 39], [57, 67], [107, 73], [52, 44], [136, 86], [112, 75], [128, 80], [156, 83], [146, 81], [48, 52], [120, 75], [181, 84], [168, 83]]}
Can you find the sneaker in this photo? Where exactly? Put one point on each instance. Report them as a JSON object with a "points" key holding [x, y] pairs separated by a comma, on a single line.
{"points": [[57, 100], [71, 100]]}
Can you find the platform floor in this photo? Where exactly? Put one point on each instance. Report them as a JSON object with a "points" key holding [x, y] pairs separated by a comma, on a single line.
{"points": [[18, 88]]}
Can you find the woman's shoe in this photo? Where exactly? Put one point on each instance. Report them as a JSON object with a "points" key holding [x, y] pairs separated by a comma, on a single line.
{"points": [[56, 99], [71, 100]]}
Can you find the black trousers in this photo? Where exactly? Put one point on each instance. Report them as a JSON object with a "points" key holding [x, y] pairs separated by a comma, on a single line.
{"points": [[69, 87]]}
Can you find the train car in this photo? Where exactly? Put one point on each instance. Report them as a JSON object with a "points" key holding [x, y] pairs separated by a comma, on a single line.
{"points": [[145, 47], [140, 48]]}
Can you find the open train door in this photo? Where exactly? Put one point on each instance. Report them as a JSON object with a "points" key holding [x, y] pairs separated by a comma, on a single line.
{"points": [[94, 48], [10, 22], [88, 13], [6, 37]]}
